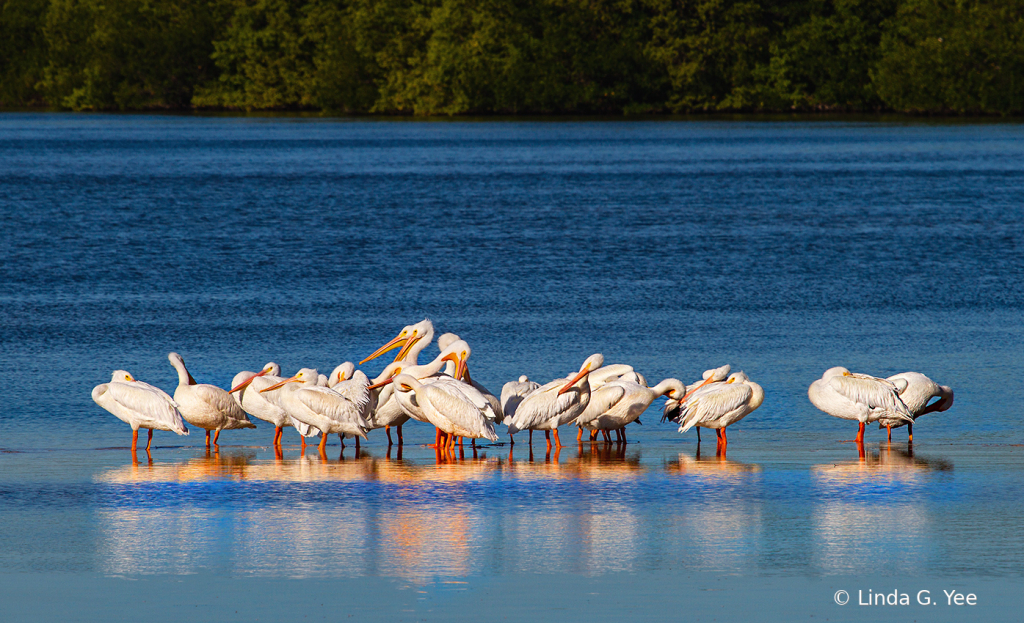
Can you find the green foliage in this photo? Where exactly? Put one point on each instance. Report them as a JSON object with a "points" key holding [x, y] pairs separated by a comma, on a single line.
{"points": [[826, 61], [126, 54], [453, 57], [958, 56], [265, 59], [714, 52], [22, 51]]}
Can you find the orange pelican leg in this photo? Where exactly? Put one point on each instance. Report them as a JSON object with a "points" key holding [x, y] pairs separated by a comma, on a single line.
{"points": [[511, 440], [150, 441], [460, 441], [135, 440], [558, 442], [357, 443], [400, 434], [531, 437], [860, 433], [387, 431], [623, 434], [607, 435], [910, 430], [547, 438], [303, 437], [889, 428], [341, 437], [618, 436], [216, 437], [207, 439], [579, 433], [593, 435], [323, 443]]}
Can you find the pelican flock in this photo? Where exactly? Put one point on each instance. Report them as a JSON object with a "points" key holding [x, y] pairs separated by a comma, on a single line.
{"points": [[596, 398]]}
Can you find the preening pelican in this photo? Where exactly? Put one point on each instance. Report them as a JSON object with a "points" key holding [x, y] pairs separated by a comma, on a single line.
{"points": [[672, 408], [557, 403], [245, 388], [206, 406], [920, 389], [617, 403], [496, 409], [718, 405], [321, 407], [513, 392], [140, 405], [844, 394], [449, 410]]}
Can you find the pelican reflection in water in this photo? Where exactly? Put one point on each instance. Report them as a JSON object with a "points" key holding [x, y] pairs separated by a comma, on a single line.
{"points": [[870, 514]]}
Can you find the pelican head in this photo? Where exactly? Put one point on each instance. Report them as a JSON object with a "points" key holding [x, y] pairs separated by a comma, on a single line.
{"points": [[836, 371], [592, 363], [179, 364], [457, 351], [306, 376], [270, 368], [714, 375], [717, 375], [342, 373], [446, 340], [122, 375]]}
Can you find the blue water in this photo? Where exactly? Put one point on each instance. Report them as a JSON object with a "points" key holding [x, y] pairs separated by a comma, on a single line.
{"points": [[780, 248]]}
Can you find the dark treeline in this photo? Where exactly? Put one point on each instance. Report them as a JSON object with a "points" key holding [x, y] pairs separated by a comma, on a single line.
{"points": [[431, 57]]}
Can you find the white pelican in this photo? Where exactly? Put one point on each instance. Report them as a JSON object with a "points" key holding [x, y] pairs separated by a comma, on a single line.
{"points": [[354, 385], [843, 394], [557, 403], [140, 405], [718, 405], [672, 406], [246, 388], [206, 406], [496, 411], [617, 403], [449, 409], [513, 392], [920, 389], [321, 407]]}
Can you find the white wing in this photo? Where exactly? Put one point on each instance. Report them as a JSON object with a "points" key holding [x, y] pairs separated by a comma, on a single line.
{"points": [[220, 400], [513, 393], [147, 404], [874, 392], [458, 408], [542, 405], [712, 402], [159, 391], [330, 404], [601, 400]]}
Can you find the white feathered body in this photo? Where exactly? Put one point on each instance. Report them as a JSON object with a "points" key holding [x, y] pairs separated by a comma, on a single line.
{"points": [[843, 394], [545, 409], [326, 409], [620, 402], [258, 405], [920, 389], [718, 405], [513, 392], [454, 407], [140, 405]]}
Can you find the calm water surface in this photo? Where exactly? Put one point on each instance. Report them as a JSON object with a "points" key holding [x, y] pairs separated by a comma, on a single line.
{"points": [[780, 248]]}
